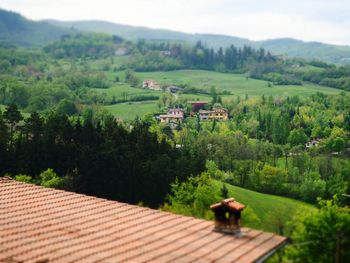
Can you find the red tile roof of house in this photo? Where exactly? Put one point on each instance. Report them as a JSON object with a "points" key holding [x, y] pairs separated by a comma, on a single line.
{"points": [[39, 224]]}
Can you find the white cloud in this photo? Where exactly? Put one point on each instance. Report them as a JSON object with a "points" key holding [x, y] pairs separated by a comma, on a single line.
{"points": [[310, 20]]}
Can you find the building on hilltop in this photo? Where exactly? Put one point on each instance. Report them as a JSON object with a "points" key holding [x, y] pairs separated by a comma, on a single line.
{"points": [[40, 224], [151, 84], [218, 114]]}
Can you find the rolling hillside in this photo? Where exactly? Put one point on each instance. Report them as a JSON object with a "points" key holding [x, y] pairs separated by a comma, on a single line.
{"points": [[269, 209], [236, 84], [17, 30], [283, 46]]}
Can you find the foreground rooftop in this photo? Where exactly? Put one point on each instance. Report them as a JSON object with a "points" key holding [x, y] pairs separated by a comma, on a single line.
{"points": [[39, 224]]}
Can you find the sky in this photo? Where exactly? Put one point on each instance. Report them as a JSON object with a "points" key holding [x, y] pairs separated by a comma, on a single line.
{"points": [[309, 20]]}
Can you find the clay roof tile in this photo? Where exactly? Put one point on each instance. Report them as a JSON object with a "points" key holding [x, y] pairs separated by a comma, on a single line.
{"points": [[48, 225]]}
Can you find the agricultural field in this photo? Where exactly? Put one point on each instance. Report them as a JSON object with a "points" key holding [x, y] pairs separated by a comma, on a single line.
{"points": [[237, 84], [130, 110], [267, 207], [122, 90]]}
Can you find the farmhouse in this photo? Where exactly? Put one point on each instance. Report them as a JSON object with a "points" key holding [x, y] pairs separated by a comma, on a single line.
{"points": [[172, 116], [40, 224], [151, 84], [219, 114]]}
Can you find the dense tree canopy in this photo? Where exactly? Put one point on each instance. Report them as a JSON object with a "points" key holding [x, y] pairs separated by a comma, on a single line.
{"points": [[323, 236], [103, 159]]}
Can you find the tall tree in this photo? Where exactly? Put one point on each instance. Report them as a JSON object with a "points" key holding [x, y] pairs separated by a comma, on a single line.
{"points": [[12, 116]]}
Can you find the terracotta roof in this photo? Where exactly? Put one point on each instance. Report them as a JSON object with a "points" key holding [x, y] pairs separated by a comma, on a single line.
{"points": [[229, 203], [39, 224]]}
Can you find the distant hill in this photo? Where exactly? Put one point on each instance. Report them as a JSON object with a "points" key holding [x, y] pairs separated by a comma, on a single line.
{"points": [[309, 50], [136, 32], [17, 30], [285, 46]]}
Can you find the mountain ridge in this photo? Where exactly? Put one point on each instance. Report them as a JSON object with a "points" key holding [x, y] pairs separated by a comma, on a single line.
{"points": [[16, 29], [338, 54]]}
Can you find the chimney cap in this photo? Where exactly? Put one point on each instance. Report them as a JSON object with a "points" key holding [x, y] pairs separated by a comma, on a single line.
{"points": [[229, 204]]}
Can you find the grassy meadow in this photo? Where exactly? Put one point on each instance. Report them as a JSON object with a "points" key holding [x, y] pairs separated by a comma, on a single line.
{"points": [[237, 84], [130, 110], [119, 90], [268, 208]]}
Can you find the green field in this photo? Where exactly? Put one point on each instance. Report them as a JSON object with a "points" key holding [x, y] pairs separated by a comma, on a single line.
{"points": [[119, 90], [237, 84], [130, 110], [268, 208]]}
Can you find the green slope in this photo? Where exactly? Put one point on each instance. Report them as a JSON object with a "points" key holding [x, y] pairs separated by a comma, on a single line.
{"points": [[131, 110], [308, 50], [268, 208], [237, 84]]}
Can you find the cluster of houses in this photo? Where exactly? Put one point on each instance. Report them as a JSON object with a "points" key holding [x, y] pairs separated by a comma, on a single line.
{"points": [[177, 115]]}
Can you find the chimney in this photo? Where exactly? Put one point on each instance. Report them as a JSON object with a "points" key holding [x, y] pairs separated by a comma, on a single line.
{"points": [[227, 216]]}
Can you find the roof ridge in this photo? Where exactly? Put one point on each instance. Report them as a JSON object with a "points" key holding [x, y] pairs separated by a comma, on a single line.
{"points": [[6, 177]]}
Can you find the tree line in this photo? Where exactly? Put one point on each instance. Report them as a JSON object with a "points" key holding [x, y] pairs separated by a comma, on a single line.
{"points": [[101, 157]]}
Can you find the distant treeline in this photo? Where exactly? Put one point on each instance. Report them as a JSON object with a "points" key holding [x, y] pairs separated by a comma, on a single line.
{"points": [[91, 45], [256, 63], [199, 56], [152, 56]]}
